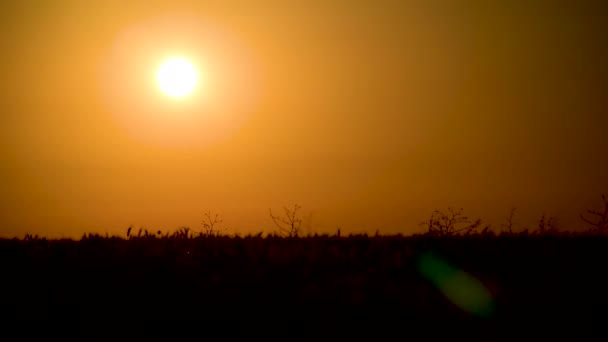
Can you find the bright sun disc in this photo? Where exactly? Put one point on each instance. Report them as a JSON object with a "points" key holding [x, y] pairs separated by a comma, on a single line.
{"points": [[177, 77]]}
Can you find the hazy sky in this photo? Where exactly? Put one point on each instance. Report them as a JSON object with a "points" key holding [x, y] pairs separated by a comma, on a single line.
{"points": [[369, 114]]}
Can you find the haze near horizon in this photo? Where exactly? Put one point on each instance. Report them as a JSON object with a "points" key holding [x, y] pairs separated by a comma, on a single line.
{"points": [[368, 114]]}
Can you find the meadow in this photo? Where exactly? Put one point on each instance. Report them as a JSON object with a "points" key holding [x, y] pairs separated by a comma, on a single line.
{"points": [[322, 283]]}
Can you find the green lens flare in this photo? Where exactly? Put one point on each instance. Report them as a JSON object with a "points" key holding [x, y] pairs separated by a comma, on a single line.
{"points": [[462, 289]]}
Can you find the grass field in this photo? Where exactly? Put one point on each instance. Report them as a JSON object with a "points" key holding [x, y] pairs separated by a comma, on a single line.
{"points": [[328, 284]]}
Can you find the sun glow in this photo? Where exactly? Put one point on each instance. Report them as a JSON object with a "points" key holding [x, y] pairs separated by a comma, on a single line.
{"points": [[177, 77], [179, 80]]}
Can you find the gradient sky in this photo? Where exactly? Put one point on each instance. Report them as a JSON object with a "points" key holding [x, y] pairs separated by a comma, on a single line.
{"points": [[369, 114]]}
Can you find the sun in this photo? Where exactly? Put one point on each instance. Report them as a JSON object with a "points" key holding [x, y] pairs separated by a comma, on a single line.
{"points": [[177, 77]]}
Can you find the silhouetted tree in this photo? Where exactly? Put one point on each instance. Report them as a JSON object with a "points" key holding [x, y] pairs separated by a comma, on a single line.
{"points": [[209, 224], [449, 224], [290, 224], [602, 222], [510, 221]]}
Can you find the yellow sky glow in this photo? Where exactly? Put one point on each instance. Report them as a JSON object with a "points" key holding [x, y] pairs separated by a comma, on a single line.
{"points": [[367, 114]]}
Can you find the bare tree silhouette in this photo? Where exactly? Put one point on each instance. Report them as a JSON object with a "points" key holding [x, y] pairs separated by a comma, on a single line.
{"points": [[602, 222], [290, 224], [443, 224], [209, 224], [510, 221]]}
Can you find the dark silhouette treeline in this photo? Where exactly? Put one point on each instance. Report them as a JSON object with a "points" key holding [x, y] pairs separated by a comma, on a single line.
{"points": [[275, 285]]}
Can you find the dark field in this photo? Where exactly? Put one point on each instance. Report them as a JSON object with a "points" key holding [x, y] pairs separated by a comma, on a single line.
{"points": [[311, 285]]}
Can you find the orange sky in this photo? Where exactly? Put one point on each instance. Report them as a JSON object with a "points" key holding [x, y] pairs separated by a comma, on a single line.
{"points": [[369, 114]]}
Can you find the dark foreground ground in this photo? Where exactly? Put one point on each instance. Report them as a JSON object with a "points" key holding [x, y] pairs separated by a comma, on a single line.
{"points": [[321, 286]]}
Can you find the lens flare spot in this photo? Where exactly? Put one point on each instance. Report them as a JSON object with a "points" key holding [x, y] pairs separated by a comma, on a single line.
{"points": [[462, 289]]}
